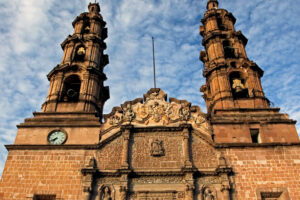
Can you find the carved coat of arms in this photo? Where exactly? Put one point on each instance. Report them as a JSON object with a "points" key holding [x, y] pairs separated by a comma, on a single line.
{"points": [[157, 148]]}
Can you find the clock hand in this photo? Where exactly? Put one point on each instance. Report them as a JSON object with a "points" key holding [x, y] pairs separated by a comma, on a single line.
{"points": [[52, 140]]}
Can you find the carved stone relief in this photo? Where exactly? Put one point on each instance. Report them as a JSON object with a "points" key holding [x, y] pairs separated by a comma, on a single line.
{"points": [[158, 180], [163, 195], [156, 111]]}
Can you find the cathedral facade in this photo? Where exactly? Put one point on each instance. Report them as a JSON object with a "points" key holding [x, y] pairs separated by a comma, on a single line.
{"points": [[155, 147]]}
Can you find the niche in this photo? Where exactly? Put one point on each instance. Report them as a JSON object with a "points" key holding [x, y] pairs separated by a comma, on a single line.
{"points": [[228, 49], [71, 89], [105, 193], [238, 86], [220, 24]]}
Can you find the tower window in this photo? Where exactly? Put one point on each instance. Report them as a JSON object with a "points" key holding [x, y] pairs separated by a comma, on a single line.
{"points": [[228, 49], [238, 86], [271, 195], [71, 89], [255, 135], [86, 28], [220, 24]]}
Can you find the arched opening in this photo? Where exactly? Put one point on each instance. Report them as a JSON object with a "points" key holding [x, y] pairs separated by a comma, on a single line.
{"points": [[79, 53], [238, 85], [228, 49], [85, 28], [220, 24], [71, 89]]}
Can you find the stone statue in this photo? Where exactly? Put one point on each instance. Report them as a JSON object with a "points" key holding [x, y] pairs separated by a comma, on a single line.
{"points": [[237, 85], [208, 194], [106, 194]]}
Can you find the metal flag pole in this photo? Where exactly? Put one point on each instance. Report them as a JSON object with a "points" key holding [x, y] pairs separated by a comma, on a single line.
{"points": [[153, 63]]}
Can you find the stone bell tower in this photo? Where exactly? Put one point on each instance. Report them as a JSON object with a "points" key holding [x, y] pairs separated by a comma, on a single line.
{"points": [[76, 84], [74, 105], [233, 90]]}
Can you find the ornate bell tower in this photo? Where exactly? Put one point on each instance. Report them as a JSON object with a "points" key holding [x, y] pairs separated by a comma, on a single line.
{"points": [[73, 109], [233, 90], [76, 84]]}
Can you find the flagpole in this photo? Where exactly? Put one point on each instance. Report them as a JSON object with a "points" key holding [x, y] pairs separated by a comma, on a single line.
{"points": [[153, 63]]}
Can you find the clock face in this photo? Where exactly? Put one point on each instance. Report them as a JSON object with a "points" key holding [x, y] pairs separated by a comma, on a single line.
{"points": [[57, 137]]}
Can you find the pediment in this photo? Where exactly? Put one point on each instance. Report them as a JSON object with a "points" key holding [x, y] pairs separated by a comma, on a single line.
{"points": [[153, 110]]}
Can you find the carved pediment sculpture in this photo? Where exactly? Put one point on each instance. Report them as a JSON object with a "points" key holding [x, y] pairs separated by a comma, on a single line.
{"points": [[154, 110]]}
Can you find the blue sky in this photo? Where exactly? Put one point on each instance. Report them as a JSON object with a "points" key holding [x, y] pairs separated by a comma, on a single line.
{"points": [[31, 32]]}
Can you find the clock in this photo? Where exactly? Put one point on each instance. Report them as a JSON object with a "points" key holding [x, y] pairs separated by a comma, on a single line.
{"points": [[57, 137]]}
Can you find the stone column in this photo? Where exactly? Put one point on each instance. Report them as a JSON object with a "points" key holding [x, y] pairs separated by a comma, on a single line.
{"points": [[225, 192], [186, 135], [126, 135], [123, 192], [189, 192], [87, 189]]}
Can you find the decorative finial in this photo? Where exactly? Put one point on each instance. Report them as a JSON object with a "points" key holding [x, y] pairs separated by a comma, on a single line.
{"points": [[94, 7], [212, 4]]}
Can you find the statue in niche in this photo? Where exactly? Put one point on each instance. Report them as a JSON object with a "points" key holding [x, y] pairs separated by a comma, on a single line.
{"points": [[239, 89], [157, 148], [81, 51], [237, 85], [105, 194], [208, 194]]}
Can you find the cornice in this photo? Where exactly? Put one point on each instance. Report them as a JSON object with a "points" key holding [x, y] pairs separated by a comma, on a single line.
{"points": [[85, 37], [87, 16], [75, 66], [98, 146], [255, 145], [51, 147]]}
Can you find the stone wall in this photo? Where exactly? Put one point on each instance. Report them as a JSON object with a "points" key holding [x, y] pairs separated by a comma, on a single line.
{"points": [[265, 170], [258, 171], [29, 172]]}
